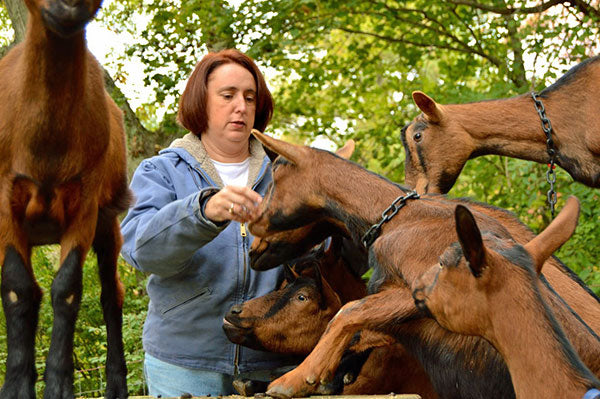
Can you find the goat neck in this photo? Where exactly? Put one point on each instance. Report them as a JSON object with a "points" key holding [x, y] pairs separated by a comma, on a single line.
{"points": [[535, 347], [441, 140], [53, 64], [346, 203]]}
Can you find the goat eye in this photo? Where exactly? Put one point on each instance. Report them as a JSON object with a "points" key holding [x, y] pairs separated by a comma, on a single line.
{"points": [[301, 298], [418, 136]]}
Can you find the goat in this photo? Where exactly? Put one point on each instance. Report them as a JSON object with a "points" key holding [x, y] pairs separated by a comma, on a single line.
{"points": [[291, 320], [490, 287], [63, 179], [439, 141], [312, 186]]}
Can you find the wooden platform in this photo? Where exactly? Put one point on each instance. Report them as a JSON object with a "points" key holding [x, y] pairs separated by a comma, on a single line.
{"points": [[389, 396]]}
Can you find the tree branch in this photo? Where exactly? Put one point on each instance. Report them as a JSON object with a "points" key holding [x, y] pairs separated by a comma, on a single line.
{"points": [[509, 10], [586, 8], [462, 49]]}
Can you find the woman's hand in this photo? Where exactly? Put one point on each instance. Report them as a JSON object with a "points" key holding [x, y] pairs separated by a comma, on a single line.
{"points": [[233, 203]]}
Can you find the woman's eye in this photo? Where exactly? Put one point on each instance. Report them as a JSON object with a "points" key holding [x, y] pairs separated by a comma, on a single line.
{"points": [[418, 136], [250, 99]]}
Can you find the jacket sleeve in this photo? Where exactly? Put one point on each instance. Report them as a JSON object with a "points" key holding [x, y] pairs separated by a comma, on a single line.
{"points": [[161, 233]]}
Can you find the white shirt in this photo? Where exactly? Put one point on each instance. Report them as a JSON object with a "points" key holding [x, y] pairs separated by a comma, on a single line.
{"points": [[233, 174]]}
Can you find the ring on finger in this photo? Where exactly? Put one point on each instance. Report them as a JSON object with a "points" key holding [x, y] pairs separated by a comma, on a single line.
{"points": [[231, 208]]}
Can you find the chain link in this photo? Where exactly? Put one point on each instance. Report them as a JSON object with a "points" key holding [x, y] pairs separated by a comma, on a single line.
{"points": [[550, 149], [391, 211]]}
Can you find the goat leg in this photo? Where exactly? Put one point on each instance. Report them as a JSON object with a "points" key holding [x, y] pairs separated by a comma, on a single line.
{"points": [[66, 297], [21, 297], [317, 371], [107, 243]]}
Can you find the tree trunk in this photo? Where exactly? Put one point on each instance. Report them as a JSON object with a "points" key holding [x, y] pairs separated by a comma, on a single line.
{"points": [[17, 12], [517, 70]]}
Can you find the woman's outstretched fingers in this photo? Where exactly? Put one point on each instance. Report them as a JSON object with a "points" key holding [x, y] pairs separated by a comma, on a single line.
{"points": [[233, 203]]}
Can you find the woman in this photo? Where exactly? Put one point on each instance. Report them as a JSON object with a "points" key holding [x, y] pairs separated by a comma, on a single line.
{"points": [[187, 230]]}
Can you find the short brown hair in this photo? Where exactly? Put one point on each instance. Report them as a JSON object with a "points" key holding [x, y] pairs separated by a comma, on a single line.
{"points": [[192, 105]]}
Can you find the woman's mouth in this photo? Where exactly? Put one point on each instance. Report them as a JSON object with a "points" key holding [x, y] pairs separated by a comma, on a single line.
{"points": [[238, 124]]}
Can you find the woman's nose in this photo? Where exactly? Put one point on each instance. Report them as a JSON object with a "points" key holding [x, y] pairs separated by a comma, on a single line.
{"points": [[240, 104]]}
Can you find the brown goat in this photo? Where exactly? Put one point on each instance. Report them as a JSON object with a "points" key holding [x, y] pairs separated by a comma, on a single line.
{"points": [[313, 186], [291, 320], [439, 142], [490, 287], [62, 180]]}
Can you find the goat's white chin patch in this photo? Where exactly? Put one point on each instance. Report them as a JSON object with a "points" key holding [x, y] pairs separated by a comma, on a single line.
{"points": [[12, 296], [69, 299]]}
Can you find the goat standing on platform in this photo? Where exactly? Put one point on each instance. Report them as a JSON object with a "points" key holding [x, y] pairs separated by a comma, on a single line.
{"points": [[490, 287], [62, 180], [443, 138]]}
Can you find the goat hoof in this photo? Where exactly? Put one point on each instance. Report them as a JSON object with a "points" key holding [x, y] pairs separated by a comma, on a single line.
{"points": [[246, 387], [116, 392], [349, 378], [310, 380], [280, 392], [23, 389], [326, 389]]}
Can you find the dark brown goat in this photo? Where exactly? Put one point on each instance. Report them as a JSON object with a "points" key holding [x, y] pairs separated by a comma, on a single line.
{"points": [[490, 287], [62, 180], [439, 142], [291, 320], [313, 186]]}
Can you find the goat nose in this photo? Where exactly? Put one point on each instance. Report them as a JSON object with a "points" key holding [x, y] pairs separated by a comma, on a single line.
{"points": [[71, 3], [236, 309], [419, 298]]}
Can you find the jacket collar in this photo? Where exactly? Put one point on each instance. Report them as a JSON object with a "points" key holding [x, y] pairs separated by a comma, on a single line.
{"points": [[194, 146]]}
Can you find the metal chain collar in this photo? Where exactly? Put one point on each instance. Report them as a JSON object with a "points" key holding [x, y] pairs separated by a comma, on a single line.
{"points": [[547, 128], [373, 232]]}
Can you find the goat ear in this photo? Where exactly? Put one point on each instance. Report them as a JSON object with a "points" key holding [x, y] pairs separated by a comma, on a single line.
{"points": [[347, 150], [289, 274], [555, 235], [319, 250], [318, 278], [428, 106], [292, 152], [328, 295], [335, 246], [470, 239], [271, 154]]}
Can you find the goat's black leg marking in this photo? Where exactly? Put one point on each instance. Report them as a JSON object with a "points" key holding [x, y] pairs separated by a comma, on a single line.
{"points": [[21, 298], [66, 298], [107, 250], [347, 372]]}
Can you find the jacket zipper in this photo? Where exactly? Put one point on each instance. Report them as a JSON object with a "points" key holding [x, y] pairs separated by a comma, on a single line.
{"points": [[236, 366], [244, 234]]}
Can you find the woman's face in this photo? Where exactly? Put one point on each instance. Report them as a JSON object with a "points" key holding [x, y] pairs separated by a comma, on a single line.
{"points": [[231, 105]]}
